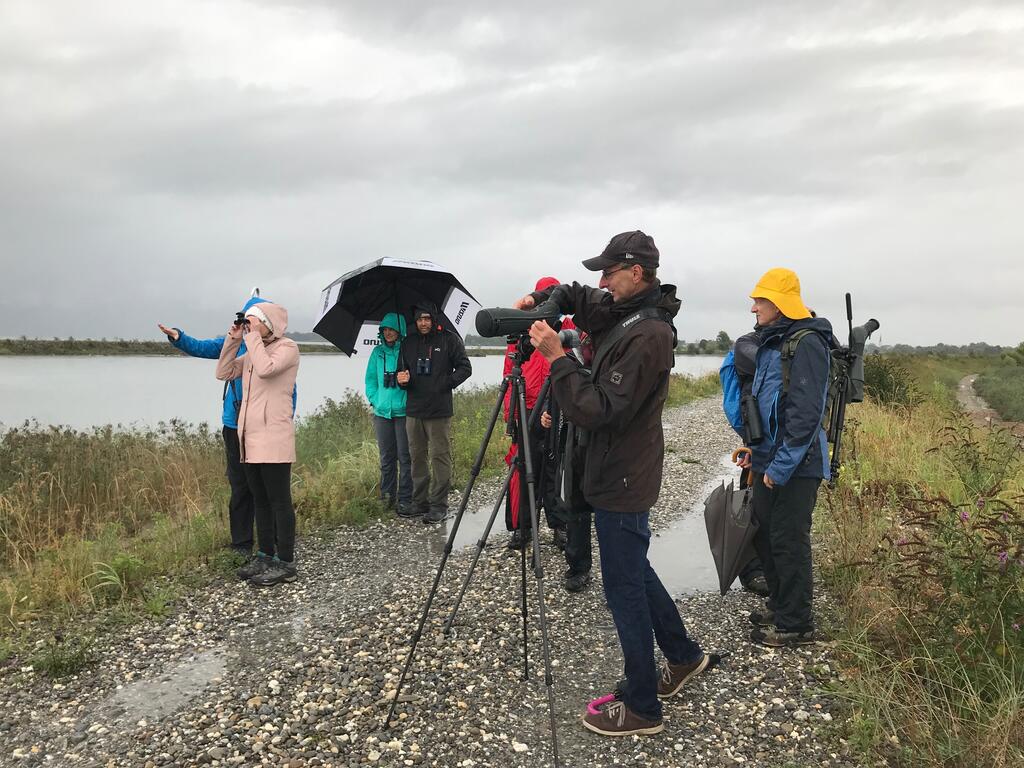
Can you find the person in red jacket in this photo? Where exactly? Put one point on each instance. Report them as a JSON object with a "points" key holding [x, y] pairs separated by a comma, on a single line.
{"points": [[517, 513]]}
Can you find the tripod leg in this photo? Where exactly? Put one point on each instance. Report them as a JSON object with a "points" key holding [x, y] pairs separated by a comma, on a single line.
{"points": [[526, 645], [479, 549], [474, 472], [539, 574]]}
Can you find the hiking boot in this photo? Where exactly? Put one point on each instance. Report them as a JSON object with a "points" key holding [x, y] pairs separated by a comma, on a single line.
{"points": [[758, 585], [616, 719], [576, 582], [776, 638], [674, 676], [407, 510], [520, 538], [435, 515], [279, 572], [765, 618], [560, 538], [257, 565]]}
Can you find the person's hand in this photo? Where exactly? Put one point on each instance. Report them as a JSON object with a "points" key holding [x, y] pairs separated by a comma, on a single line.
{"points": [[403, 377], [526, 302], [172, 333], [741, 457], [235, 331], [545, 341], [769, 483], [545, 420], [255, 324]]}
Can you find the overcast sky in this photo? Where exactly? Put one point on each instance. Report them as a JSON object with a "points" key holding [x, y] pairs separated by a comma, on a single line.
{"points": [[160, 158]]}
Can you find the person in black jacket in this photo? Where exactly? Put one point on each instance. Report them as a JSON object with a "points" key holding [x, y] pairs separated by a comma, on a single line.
{"points": [[620, 404], [435, 362]]}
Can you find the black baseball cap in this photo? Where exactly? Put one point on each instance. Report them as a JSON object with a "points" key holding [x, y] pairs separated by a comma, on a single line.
{"points": [[626, 248]]}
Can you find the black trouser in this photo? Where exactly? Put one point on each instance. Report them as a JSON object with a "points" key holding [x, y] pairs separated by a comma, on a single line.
{"points": [[271, 486], [783, 542], [240, 507], [577, 545]]}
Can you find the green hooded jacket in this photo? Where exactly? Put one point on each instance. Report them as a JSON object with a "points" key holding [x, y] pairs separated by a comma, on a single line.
{"points": [[387, 402]]}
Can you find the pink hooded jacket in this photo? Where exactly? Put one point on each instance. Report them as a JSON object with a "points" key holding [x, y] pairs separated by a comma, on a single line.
{"points": [[266, 426]]}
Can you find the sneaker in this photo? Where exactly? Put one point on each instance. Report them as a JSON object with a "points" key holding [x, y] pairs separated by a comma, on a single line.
{"points": [[435, 515], [257, 565], [674, 676], [407, 510], [773, 637], [560, 538], [765, 618], [616, 719], [577, 582], [758, 585], [520, 538], [279, 572]]}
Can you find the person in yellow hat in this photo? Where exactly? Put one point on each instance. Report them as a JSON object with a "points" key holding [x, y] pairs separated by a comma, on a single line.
{"points": [[791, 387]]}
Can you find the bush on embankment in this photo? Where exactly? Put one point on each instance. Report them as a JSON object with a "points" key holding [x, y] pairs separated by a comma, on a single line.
{"points": [[91, 519], [1003, 389], [924, 545]]}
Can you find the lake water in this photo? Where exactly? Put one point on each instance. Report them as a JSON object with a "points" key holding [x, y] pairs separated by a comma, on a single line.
{"points": [[83, 392]]}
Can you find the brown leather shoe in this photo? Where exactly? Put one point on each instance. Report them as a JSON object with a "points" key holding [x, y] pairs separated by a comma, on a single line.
{"points": [[616, 719], [674, 676]]}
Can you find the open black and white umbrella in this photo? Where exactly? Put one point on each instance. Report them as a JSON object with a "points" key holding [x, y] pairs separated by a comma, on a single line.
{"points": [[352, 307]]}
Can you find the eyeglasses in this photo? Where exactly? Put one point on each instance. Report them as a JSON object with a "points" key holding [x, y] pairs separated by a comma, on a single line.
{"points": [[606, 273]]}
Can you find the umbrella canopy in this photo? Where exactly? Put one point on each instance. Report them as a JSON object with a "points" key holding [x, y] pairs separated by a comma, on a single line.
{"points": [[728, 516], [363, 296]]}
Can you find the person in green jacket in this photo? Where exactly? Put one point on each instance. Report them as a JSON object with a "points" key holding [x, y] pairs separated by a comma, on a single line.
{"points": [[388, 402]]}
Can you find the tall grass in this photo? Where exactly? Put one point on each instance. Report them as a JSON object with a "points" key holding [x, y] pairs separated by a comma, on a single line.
{"points": [[90, 519], [923, 542]]}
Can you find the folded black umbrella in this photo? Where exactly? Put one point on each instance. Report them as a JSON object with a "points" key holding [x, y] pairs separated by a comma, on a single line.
{"points": [[367, 294], [729, 518]]}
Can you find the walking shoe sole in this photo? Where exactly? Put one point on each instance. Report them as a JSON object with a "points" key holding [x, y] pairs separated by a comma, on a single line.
{"points": [[700, 668], [285, 580], [770, 643], [635, 732]]}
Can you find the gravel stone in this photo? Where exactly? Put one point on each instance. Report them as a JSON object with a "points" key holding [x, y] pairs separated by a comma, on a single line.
{"points": [[304, 674]]}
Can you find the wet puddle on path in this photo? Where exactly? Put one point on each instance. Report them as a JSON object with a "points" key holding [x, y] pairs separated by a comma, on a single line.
{"points": [[680, 554]]}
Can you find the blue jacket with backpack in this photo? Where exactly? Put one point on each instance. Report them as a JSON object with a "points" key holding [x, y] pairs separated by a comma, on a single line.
{"points": [[795, 444], [210, 349]]}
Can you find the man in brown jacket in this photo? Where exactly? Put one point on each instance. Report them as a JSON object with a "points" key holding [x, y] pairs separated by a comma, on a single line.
{"points": [[620, 405]]}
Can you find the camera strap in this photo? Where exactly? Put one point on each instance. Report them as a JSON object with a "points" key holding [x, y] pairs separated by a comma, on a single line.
{"points": [[617, 331]]}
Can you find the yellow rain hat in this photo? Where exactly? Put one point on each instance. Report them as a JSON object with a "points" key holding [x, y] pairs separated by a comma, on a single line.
{"points": [[782, 288]]}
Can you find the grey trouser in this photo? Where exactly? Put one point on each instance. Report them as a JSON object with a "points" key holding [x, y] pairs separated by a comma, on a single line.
{"points": [[431, 451], [393, 444]]}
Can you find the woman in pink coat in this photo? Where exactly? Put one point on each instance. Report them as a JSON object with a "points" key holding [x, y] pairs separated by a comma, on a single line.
{"points": [[266, 434]]}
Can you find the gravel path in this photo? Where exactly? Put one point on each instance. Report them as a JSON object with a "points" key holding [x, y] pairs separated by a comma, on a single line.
{"points": [[302, 675]]}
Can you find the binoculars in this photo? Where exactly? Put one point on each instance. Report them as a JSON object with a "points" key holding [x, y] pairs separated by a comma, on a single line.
{"points": [[240, 319], [423, 366], [390, 379]]}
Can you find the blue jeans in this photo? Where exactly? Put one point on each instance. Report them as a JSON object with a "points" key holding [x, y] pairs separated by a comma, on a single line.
{"points": [[641, 608]]}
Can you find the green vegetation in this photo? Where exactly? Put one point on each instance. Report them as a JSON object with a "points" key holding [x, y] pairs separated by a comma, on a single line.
{"points": [[923, 542], [113, 523], [1003, 387]]}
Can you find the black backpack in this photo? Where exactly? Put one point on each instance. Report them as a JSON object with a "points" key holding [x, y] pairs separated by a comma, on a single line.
{"points": [[838, 373]]}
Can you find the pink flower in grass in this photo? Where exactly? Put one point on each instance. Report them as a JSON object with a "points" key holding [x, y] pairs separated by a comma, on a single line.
{"points": [[964, 515]]}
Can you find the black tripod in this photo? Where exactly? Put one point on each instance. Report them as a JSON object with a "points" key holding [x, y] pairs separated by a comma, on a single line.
{"points": [[519, 426]]}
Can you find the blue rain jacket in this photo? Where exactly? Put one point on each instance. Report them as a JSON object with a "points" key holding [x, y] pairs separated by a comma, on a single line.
{"points": [[795, 444]]}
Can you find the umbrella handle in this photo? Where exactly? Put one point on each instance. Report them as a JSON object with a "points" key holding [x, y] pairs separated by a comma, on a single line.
{"points": [[736, 454], [746, 474]]}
